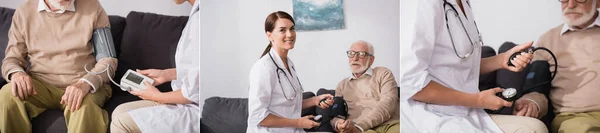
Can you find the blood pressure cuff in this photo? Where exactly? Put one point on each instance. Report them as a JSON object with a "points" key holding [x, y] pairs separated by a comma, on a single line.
{"points": [[338, 109], [103, 45], [539, 74]]}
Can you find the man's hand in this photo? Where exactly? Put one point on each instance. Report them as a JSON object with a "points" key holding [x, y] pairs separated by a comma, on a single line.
{"points": [[74, 95], [21, 85], [150, 93], [487, 99], [328, 102], [159, 76], [346, 126], [525, 108], [521, 61]]}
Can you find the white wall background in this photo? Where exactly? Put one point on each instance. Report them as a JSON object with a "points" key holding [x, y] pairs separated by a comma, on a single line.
{"points": [[123, 7], [499, 21], [233, 38]]}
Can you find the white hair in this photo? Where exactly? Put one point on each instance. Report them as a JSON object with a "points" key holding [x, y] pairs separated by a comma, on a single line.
{"points": [[370, 48]]}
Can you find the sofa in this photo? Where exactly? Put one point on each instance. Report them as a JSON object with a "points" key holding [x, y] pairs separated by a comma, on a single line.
{"points": [[142, 41], [220, 114]]}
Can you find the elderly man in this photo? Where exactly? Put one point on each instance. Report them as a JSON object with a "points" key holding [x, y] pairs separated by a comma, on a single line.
{"points": [[574, 92], [49, 45], [371, 94]]}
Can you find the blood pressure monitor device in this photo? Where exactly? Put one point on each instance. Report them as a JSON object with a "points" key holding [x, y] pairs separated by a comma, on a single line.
{"points": [[134, 81], [508, 94], [317, 118]]}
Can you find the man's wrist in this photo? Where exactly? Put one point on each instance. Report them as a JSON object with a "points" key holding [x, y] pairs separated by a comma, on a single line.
{"points": [[82, 84]]}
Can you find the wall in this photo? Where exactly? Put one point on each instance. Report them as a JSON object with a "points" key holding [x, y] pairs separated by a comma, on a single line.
{"points": [[519, 21], [233, 38], [123, 7], [499, 21]]}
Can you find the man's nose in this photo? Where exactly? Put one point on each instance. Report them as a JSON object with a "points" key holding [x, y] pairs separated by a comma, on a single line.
{"points": [[571, 4]]}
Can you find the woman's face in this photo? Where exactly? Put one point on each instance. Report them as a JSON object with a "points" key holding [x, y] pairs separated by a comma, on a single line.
{"points": [[284, 34]]}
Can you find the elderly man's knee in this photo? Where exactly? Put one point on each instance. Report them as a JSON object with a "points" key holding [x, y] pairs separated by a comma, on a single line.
{"points": [[7, 99], [577, 125]]}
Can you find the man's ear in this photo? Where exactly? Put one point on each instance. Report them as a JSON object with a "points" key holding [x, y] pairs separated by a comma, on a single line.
{"points": [[372, 60]]}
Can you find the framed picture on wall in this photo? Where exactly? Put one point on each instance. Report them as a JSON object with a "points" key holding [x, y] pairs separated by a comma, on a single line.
{"points": [[316, 15]]}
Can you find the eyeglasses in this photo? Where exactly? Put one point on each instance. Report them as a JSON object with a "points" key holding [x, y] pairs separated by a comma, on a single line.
{"points": [[578, 1], [361, 54]]}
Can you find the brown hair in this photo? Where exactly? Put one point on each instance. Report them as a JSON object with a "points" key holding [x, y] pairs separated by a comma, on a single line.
{"points": [[270, 25]]}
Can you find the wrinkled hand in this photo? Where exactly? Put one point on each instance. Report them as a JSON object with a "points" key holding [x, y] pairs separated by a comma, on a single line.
{"points": [[150, 93], [344, 126], [324, 104], [21, 85], [159, 76], [488, 100], [306, 122], [525, 108], [74, 95], [521, 61]]}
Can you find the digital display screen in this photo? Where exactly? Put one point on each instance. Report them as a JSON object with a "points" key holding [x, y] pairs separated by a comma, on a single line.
{"points": [[134, 78]]}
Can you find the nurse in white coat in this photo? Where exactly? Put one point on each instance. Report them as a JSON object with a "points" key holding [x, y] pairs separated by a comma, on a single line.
{"points": [[169, 112], [275, 93], [440, 68]]}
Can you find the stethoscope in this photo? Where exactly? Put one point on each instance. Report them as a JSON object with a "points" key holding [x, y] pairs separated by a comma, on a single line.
{"points": [[280, 70], [453, 9]]}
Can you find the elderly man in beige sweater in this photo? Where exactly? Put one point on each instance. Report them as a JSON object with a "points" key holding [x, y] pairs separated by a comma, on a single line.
{"points": [[53, 38], [371, 94], [574, 92]]}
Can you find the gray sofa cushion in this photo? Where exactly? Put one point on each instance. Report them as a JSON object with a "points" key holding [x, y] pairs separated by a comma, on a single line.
{"points": [[225, 115], [230, 115]]}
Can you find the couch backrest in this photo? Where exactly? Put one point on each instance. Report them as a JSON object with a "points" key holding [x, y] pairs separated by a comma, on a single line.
{"points": [[5, 22], [148, 41]]}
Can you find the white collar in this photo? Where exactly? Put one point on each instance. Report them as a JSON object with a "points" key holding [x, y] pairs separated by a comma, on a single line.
{"points": [[566, 27], [368, 72], [43, 7], [195, 8], [279, 62]]}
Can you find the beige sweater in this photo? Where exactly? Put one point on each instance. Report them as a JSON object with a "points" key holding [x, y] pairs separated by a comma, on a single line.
{"points": [[577, 83], [57, 45], [372, 99]]}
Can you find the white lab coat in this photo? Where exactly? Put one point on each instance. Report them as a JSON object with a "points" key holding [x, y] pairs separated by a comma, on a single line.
{"points": [[266, 94], [430, 57], [179, 118]]}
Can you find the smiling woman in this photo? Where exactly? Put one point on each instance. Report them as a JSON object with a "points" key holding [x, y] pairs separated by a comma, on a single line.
{"points": [[275, 94]]}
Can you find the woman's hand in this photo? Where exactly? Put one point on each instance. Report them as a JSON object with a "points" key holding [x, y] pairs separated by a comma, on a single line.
{"points": [[306, 122], [521, 61], [488, 100], [325, 104], [151, 92], [159, 76]]}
